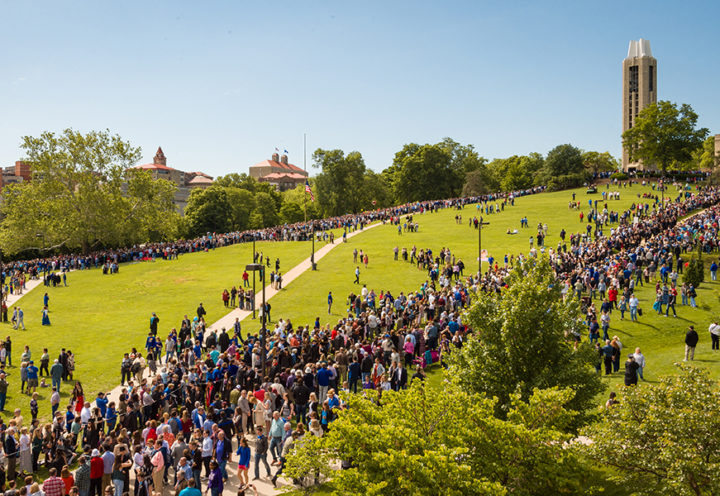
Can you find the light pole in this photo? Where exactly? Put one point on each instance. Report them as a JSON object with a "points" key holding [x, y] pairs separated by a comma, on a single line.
{"points": [[261, 268], [597, 223], [480, 226], [312, 255], [42, 235], [254, 261]]}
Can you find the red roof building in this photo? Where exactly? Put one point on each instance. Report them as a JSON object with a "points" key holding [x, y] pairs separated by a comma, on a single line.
{"points": [[278, 172]]}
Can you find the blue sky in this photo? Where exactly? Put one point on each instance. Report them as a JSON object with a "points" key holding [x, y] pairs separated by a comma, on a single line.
{"points": [[219, 85]]}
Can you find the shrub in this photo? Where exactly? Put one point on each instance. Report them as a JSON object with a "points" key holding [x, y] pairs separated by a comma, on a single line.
{"points": [[695, 272], [620, 176]]}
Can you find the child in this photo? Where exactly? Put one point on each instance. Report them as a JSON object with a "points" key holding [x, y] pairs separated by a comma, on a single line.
{"points": [[34, 406]]}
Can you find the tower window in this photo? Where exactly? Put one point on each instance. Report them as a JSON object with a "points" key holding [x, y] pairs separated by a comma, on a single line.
{"points": [[634, 78], [651, 84]]}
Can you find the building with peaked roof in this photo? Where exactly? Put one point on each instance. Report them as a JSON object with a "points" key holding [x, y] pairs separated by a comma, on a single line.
{"points": [[278, 172], [185, 181], [639, 89]]}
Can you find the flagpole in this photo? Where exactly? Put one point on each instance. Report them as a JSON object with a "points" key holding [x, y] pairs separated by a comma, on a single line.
{"points": [[305, 168]]}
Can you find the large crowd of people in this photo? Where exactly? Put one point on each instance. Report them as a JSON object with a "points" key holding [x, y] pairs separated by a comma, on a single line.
{"points": [[197, 401]]}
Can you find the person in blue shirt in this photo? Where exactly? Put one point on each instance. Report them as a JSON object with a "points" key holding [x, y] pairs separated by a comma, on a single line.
{"points": [[32, 376], [713, 271], [111, 416], [150, 342], [102, 402], [243, 453], [323, 381], [330, 302]]}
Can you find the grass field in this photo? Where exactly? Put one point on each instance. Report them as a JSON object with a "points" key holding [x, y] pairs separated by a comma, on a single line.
{"points": [[99, 317]]}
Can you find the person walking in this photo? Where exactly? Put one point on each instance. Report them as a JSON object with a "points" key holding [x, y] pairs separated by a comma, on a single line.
{"points": [[357, 276], [691, 340], [640, 360], [715, 335], [261, 448], [631, 371]]}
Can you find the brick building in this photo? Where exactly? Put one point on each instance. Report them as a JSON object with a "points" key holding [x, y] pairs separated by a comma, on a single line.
{"points": [[278, 172]]}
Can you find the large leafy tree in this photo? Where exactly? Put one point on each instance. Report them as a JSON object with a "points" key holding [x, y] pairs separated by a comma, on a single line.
{"points": [[664, 135], [424, 172], [516, 172], [521, 342], [421, 442], [340, 185], [663, 439], [209, 210], [83, 195], [599, 162]]}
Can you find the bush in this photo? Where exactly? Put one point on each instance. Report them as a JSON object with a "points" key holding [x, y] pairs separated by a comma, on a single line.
{"points": [[620, 176], [695, 272]]}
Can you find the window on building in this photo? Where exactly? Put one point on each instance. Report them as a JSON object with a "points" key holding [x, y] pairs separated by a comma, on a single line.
{"points": [[651, 84], [633, 78]]}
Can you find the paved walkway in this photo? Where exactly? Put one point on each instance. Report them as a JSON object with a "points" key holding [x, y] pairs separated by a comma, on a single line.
{"points": [[229, 319], [264, 486]]}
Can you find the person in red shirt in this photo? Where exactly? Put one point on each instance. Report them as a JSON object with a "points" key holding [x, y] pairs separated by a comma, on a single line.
{"points": [[612, 296], [97, 468], [54, 485]]}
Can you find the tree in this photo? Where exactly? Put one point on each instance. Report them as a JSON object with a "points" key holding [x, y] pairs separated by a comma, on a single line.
{"points": [[664, 134], [563, 168], [463, 161], [83, 194], [209, 210], [423, 443], [340, 184], [521, 342], [266, 210], [599, 162], [516, 172], [663, 439], [695, 271], [706, 158], [236, 180], [242, 203], [478, 182], [423, 173]]}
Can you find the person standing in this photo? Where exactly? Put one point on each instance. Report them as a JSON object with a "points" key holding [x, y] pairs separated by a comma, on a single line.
{"points": [[261, 448], [330, 302], [56, 373], [3, 391], [631, 368], [357, 276], [691, 340], [53, 485], [20, 316], [640, 360], [715, 335]]}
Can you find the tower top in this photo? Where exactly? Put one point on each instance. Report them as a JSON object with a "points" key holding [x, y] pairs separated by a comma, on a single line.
{"points": [[159, 158], [639, 48]]}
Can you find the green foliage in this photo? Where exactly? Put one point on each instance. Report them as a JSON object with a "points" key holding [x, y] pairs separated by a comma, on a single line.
{"points": [[596, 162], [563, 168], [340, 185], [521, 343], [620, 176], [516, 172], [663, 439], [208, 210], [423, 173], [235, 180], [705, 158], [423, 443], [664, 135], [266, 208], [84, 195], [695, 272]]}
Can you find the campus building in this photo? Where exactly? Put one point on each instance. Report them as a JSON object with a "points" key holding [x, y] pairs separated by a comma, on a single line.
{"points": [[639, 89], [185, 181], [278, 172], [18, 173]]}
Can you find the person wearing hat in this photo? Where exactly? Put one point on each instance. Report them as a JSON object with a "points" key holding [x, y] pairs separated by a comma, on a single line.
{"points": [[97, 469], [691, 340]]}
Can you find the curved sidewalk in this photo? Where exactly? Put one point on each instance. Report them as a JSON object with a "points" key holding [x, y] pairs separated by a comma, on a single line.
{"points": [[228, 320]]}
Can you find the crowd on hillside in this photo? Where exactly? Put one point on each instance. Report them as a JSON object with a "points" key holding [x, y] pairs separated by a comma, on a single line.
{"points": [[206, 404]]}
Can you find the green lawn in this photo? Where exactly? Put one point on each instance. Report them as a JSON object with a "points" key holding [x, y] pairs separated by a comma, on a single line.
{"points": [[101, 316]]}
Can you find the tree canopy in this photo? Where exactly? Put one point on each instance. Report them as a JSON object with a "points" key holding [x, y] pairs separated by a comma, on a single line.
{"points": [[664, 135], [83, 194], [522, 341], [663, 439], [422, 442]]}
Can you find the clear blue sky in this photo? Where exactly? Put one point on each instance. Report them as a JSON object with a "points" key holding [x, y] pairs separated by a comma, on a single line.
{"points": [[219, 85]]}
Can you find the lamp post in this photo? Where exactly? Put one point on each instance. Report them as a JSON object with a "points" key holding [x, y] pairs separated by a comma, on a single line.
{"points": [[480, 226], [596, 220], [42, 235], [312, 255], [261, 268], [254, 261]]}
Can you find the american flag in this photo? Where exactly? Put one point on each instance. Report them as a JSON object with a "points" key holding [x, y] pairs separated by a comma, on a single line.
{"points": [[309, 190]]}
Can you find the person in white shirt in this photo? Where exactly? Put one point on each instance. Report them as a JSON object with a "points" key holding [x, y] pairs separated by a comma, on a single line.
{"points": [[640, 360], [715, 335]]}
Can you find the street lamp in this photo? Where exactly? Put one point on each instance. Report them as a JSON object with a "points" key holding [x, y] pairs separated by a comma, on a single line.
{"points": [[255, 267], [42, 235], [480, 226], [312, 255], [254, 261]]}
